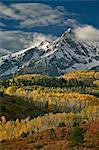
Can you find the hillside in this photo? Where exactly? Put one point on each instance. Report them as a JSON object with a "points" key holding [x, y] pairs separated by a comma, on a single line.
{"points": [[33, 95], [32, 105], [56, 139]]}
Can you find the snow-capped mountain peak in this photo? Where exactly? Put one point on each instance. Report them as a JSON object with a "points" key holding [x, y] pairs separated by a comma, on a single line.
{"points": [[55, 58]]}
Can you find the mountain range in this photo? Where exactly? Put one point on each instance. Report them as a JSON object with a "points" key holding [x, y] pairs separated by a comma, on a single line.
{"points": [[65, 54]]}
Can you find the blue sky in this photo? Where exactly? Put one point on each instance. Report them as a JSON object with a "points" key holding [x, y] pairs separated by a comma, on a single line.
{"points": [[21, 21]]}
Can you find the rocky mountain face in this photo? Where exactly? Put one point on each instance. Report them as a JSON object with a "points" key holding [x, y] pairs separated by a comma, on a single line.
{"points": [[62, 55]]}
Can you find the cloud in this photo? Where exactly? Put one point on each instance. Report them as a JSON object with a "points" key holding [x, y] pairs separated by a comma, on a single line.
{"points": [[40, 37], [72, 23], [13, 41], [34, 14], [87, 33], [7, 11]]}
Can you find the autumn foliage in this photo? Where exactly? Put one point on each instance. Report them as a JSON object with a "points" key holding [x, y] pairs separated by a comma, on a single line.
{"points": [[37, 112]]}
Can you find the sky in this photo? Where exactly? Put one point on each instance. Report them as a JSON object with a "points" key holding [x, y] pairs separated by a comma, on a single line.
{"points": [[24, 22]]}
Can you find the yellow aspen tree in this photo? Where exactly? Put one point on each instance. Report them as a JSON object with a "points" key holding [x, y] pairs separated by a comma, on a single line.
{"points": [[3, 121], [10, 90]]}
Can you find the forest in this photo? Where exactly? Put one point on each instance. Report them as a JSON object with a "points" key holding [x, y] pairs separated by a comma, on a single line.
{"points": [[65, 109]]}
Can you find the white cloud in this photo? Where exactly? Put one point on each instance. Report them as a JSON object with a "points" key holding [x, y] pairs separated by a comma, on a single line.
{"points": [[40, 37], [72, 23], [87, 33], [6, 11], [14, 40], [34, 14]]}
